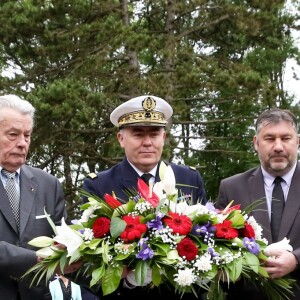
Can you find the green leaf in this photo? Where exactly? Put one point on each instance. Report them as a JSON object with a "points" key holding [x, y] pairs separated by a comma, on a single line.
{"points": [[141, 272], [97, 274], [252, 261], [235, 269], [50, 221], [112, 278], [156, 276], [117, 226]]}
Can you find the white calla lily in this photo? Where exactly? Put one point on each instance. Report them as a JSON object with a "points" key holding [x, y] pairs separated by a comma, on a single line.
{"points": [[68, 237], [284, 244]]}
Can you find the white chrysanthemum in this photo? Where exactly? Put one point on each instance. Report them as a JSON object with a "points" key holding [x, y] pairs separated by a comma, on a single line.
{"points": [[256, 227], [88, 234], [87, 213], [185, 277], [204, 263], [221, 218]]}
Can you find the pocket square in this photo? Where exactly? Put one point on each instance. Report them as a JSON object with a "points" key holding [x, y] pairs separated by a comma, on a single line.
{"points": [[42, 216]]}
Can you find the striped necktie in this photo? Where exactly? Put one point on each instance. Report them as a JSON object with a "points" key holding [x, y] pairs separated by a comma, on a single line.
{"points": [[12, 194]]}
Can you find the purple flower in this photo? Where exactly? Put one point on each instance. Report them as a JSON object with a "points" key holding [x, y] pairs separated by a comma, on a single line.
{"points": [[212, 252], [156, 223], [251, 245], [145, 251], [210, 206], [204, 230]]}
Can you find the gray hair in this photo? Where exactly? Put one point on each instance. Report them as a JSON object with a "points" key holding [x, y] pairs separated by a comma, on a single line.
{"points": [[275, 116], [16, 103]]}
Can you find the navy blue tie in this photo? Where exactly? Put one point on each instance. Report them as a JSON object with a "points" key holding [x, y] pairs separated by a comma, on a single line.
{"points": [[146, 177], [277, 208]]}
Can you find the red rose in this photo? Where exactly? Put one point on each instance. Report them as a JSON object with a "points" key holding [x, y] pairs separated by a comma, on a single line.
{"points": [[180, 224], [134, 229], [225, 230], [247, 231], [101, 227], [186, 247]]}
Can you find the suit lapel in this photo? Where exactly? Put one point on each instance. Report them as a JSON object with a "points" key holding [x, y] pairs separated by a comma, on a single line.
{"points": [[28, 190], [292, 204], [257, 192], [129, 176]]}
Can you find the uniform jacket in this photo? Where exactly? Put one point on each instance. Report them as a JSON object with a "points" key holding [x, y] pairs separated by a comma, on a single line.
{"points": [[247, 187], [38, 191], [122, 177]]}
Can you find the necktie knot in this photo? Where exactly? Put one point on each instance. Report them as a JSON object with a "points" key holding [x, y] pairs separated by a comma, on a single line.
{"points": [[278, 180], [9, 175], [146, 177]]}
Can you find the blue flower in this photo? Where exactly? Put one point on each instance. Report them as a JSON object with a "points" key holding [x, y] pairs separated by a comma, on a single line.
{"points": [[145, 251], [206, 230], [156, 223], [251, 245]]}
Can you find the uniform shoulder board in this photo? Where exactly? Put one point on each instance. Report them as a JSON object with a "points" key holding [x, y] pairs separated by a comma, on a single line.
{"points": [[192, 168], [92, 175]]}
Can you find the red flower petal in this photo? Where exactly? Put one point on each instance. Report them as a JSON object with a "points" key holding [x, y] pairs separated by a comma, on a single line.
{"points": [[225, 230], [145, 192], [134, 229], [112, 201], [186, 247], [180, 224]]}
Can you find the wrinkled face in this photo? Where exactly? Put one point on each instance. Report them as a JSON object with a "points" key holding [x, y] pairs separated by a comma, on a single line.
{"points": [[15, 132], [277, 147], [143, 146]]}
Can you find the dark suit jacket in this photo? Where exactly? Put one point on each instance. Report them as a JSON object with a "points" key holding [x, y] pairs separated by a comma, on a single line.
{"points": [[38, 191], [247, 187], [121, 177]]}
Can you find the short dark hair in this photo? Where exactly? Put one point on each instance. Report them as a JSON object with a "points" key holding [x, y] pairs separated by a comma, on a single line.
{"points": [[274, 116]]}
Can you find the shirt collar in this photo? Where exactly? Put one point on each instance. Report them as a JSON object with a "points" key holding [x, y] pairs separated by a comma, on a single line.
{"points": [[269, 179], [152, 172]]}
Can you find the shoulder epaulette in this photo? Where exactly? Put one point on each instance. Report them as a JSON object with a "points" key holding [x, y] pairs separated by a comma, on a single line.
{"points": [[92, 175]]}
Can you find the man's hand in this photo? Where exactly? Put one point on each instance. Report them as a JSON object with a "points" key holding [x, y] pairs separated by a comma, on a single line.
{"points": [[68, 269], [280, 263]]}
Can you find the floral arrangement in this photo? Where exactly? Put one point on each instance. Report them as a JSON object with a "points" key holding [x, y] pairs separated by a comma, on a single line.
{"points": [[161, 238]]}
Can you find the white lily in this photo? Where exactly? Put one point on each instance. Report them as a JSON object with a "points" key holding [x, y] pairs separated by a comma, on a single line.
{"points": [[185, 209], [169, 182], [284, 244], [45, 252], [158, 190], [68, 237], [41, 242]]}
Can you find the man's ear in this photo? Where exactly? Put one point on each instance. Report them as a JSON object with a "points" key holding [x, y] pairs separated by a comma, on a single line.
{"points": [[255, 143]]}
